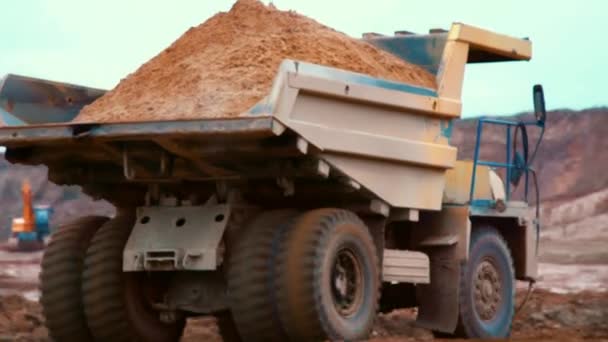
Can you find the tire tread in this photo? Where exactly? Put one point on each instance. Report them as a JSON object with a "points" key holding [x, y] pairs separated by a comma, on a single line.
{"points": [[61, 276], [251, 272], [466, 315]]}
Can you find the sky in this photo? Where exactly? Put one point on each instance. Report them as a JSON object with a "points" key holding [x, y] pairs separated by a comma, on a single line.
{"points": [[97, 43]]}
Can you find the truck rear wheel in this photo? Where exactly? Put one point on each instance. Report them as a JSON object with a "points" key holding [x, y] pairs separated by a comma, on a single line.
{"points": [[487, 287], [251, 276], [118, 305], [330, 279], [61, 279]]}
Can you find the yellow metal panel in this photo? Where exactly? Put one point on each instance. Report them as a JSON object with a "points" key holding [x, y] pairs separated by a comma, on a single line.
{"points": [[451, 71], [399, 185], [458, 183], [378, 147], [19, 226], [352, 116], [363, 93], [500, 44]]}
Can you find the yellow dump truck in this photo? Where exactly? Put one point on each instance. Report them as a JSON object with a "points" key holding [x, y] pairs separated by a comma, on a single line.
{"points": [[336, 197]]}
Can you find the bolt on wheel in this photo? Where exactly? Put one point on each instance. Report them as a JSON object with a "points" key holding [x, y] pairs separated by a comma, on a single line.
{"points": [[347, 281], [330, 266], [487, 287], [487, 290]]}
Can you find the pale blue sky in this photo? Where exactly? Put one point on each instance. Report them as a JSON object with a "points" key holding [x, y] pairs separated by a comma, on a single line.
{"points": [[97, 43]]}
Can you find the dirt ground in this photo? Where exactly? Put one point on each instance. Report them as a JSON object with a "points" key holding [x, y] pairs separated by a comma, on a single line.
{"points": [[547, 316], [569, 303]]}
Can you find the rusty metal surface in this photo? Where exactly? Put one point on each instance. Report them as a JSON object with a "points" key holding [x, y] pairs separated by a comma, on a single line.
{"points": [[423, 50], [427, 50], [512, 209], [27, 100], [438, 301], [41, 134], [176, 238]]}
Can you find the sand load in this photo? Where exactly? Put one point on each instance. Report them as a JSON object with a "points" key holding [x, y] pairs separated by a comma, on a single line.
{"points": [[224, 66]]}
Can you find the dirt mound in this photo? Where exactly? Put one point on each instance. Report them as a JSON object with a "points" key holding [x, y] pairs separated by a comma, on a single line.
{"points": [[227, 64], [583, 315], [21, 320]]}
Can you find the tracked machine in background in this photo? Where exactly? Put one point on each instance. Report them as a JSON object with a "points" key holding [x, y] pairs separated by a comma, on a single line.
{"points": [[336, 197], [30, 232]]}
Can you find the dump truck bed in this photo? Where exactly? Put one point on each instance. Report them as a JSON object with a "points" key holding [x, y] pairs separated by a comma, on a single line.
{"points": [[336, 122], [142, 146], [375, 139]]}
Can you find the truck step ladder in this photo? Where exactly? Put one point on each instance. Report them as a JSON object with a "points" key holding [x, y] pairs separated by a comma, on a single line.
{"points": [[406, 267]]}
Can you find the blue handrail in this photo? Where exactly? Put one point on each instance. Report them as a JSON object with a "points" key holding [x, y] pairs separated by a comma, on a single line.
{"points": [[508, 165]]}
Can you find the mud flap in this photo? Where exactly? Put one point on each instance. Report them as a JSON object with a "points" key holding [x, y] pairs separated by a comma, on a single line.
{"points": [[438, 301], [444, 237]]}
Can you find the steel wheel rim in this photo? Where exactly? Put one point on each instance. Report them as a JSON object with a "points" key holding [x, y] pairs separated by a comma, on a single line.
{"points": [[347, 283], [488, 289]]}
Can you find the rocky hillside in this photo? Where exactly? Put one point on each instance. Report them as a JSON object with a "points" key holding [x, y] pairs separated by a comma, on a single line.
{"points": [[572, 164], [572, 160]]}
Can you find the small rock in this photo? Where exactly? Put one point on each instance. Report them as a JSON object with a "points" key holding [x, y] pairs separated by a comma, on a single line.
{"points": [[564, 316], [40, 333], [538, 316], [34, 318]]}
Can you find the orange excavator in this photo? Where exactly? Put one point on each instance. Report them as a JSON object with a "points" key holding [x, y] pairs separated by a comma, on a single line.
{"points": [[30, 231]]}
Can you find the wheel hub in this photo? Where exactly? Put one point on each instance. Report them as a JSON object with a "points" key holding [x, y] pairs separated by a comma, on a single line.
{"points": [[487, 290], [347, 282]]}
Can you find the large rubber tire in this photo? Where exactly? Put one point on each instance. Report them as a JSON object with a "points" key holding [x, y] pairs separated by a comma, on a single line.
{"points": [[114, 301], [252, 273], [487, 248], [61, 279], [312, 268]]}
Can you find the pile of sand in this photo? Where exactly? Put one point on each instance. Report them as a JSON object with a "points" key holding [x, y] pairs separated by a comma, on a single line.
{"points": [[227, 64]]}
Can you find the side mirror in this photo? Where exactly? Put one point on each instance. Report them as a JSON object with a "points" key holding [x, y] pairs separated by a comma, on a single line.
{"points": [[539, 104]]}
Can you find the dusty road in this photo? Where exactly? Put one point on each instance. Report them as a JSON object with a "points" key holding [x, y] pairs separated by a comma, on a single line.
{"points": [[548, 316], [571, 303], [19, 273]]}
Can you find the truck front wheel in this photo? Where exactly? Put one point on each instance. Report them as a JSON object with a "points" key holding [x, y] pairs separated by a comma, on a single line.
{"points": [[487, 287], [330, 278], [118, 305]]}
